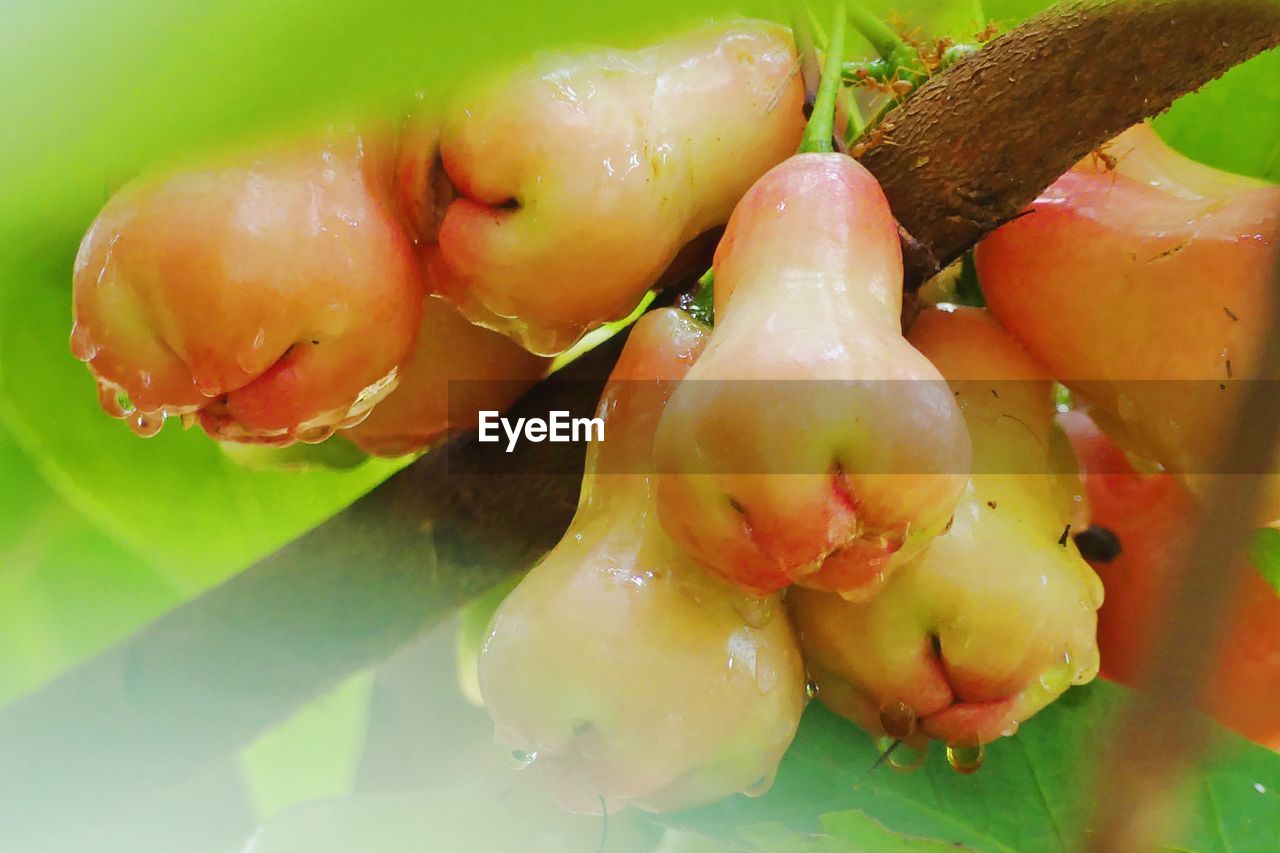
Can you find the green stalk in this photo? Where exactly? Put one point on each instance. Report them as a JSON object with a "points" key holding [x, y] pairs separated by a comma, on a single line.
{"points": [[821, 128], [805, 49], [875, 69], [882, 37], [856, 122], [819, 34], [701, 303]]}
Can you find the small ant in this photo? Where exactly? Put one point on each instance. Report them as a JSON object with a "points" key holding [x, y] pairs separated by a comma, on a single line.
{"points": [[873, 138], [1102, 160], [934, 57], [989, 32]]}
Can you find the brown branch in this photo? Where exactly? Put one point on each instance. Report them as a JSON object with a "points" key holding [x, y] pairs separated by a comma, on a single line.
{"points": [[975, 145], [969, 150], [207, 677]]}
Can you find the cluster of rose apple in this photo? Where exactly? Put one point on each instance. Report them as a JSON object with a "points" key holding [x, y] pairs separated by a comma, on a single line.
{"points": [[899, 549]]}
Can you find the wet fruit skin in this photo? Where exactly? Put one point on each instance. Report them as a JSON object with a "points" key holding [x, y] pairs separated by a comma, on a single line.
{"points": [[1153, 516], [811, 443], [455, 371], [634, 676], [580, 177], [276, 293], [997, 618], [1157, 270]]}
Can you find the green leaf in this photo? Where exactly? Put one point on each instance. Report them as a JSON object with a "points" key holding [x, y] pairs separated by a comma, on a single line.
{"points": [[863, 833], [1010, 12], [177, 498], [1234, 122], [1033, 793], [151, 81], [66, 589], [1264, 553], [922, 19], [313, 754]]}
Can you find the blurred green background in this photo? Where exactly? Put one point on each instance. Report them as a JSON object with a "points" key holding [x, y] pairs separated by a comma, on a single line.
{"points": [[101, 532]]}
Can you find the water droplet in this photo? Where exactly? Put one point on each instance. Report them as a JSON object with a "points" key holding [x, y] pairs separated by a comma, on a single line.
{"points": [[113, 400], [756, 612], [1056, 680], [761, 786], [146, 424], [1088, 667], [766, 672], [82, 347], [811, 689], [522, 758], [313, 434], [1011, 729], [965, 759], [898, 720], [1259, 787], [907, 758]]}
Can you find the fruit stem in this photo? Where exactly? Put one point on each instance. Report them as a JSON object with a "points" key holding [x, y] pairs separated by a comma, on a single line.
{"points": [[821, 128], [887, 43], [815, 27], [849, 114], [701, 302], [808, 54]]}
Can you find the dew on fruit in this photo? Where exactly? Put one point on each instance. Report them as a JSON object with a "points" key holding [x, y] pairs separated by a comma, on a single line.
{"points": [[522, 758], [965, 759], [811, 689], [113, 400], [898, 720], [82, 347], [313, 434], [1056, 680], [766, 674], [761, 786], [907, 758], [1087, 669], [146, 424], [756, 612]]}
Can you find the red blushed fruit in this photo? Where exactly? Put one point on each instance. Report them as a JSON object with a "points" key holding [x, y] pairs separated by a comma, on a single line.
{"points": [[456, 371], [274, 294], [629, 674], [811, 444], [1147, 289], [1152, 516], [997, 618], [580, 177]]}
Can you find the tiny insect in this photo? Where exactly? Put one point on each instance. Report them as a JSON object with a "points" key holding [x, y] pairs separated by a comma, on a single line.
{"points": [[1102, 160], [873, 138]]}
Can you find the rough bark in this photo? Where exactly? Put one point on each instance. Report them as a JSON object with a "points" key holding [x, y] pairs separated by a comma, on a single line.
{"points": [[976, 144], [970, 150]]}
